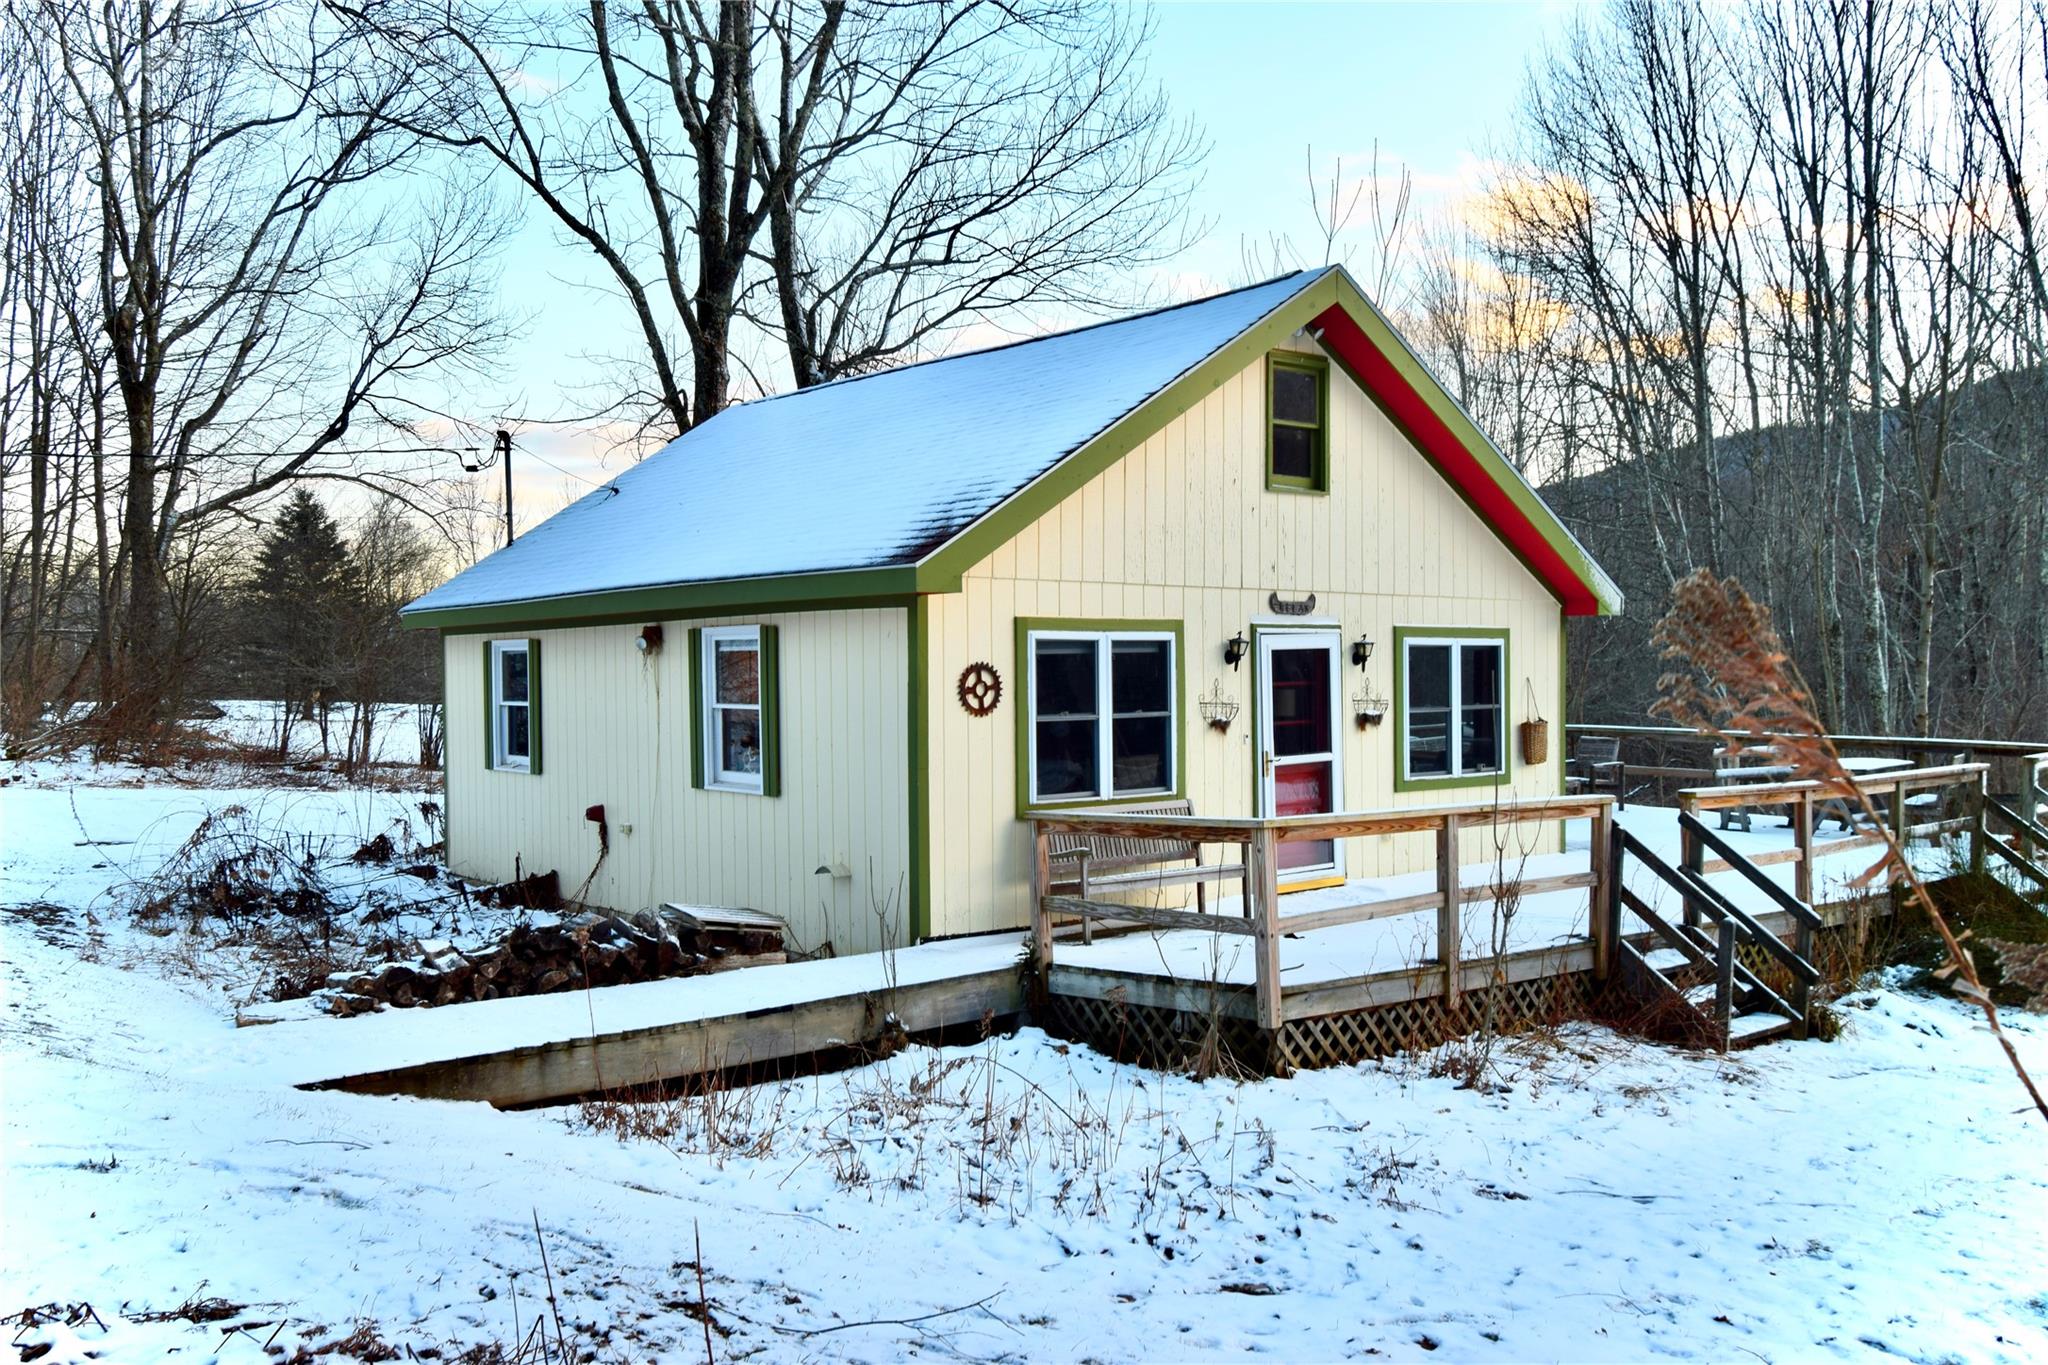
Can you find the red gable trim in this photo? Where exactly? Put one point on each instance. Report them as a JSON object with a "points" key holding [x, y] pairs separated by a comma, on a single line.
{"points": [[1459, 465]]}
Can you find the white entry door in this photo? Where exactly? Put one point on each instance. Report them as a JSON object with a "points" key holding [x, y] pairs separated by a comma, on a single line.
{"points": [[1300, 766]]}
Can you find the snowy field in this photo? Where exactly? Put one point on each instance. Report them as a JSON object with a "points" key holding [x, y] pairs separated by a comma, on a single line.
{"points": [[1877, 1198], [394, 735]]}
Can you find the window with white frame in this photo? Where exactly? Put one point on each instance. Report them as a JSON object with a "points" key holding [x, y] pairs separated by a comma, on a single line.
{"points": [[1454, 709], [734, 733], [511, 705], [1102, 714]]}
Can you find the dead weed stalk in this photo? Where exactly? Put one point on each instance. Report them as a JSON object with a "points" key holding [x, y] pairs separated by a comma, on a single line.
{"points": [[1736, 682]]}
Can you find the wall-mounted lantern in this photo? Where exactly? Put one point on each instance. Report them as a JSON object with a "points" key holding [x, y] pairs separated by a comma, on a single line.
{"points": [[1361, 650], [1233, 649]]}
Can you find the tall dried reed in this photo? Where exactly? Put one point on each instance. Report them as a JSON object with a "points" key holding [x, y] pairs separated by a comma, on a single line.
{"points": [[1735, 681]]}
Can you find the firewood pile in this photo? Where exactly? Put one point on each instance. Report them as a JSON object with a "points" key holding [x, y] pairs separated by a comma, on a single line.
{"points": [[539, 959]]}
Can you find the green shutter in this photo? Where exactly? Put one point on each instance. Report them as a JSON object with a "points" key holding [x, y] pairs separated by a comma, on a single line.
{"points": [[533, 703], [490, 710], [771, 714], [696, 703]]}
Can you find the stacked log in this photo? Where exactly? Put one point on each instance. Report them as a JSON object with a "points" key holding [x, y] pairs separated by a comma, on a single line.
{"points": [[590, 950]]}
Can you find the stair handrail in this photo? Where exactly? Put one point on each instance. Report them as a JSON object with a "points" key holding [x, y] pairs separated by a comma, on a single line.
{"points": [[1731, 921], [1710, 899], [2027, 829], [1754, 875]]}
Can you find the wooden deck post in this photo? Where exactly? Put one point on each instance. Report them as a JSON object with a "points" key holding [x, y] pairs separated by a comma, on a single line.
{"points": [[1802, 875], [1979, 832], [1263, 861], [1600, 899], [1898, 812], [1041, 886], [1695, 860], [1450, 931], [1724, 981]]}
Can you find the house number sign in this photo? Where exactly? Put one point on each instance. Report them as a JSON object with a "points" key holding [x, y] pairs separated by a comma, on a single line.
{"points": [[1285, 607]]}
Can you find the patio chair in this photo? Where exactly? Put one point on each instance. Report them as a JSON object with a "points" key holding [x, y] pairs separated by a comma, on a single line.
{"points": [[1596, 766]]}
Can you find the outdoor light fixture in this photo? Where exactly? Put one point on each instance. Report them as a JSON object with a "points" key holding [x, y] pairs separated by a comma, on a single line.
{"points": [[648, 640], [1233, 650], [1361, 650]]}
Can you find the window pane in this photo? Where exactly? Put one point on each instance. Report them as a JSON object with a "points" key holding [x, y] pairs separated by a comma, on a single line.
{"points": [[739, 741], [1479, 675], [1065, 678], [1301, 702], [1142, 747], [1429, 676], [512, 675], [739, 673], [1140, 676], [1294, 452], [516, 741], [1066, 758], [1480, 740], [1428, 754], [1294, 395]]}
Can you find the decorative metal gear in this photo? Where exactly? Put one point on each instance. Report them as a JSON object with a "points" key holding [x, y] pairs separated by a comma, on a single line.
{"points": [[981, 689]]}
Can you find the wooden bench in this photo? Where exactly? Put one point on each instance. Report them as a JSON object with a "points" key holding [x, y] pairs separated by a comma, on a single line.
{"points": [[1117, 863]]}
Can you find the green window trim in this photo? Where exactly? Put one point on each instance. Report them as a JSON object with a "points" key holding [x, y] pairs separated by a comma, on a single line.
{"points": [[533, 708], [1318, 366], [1404, 634], [1020, 673], [770, 665]]}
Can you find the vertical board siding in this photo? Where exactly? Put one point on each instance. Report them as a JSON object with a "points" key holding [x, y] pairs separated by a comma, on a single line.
{"points": [[1184, 528], [617, 731]]}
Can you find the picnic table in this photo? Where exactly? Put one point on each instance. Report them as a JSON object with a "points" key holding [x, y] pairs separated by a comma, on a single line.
{"points": [[1857, 765]]}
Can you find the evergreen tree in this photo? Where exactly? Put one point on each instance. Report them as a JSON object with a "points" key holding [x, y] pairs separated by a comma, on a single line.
{"points": [[301, 597]]}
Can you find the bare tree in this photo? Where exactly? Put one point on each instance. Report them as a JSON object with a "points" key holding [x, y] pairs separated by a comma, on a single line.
{"points": [[850, 181], [271, 270]]}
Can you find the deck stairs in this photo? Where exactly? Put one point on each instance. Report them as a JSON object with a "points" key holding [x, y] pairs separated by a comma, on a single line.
{"points": [[2012, 831], [1699, 974]]}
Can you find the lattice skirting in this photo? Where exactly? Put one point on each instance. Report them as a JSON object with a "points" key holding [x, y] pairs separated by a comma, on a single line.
{"points": [[1171, 1040], [1181, 1040]]}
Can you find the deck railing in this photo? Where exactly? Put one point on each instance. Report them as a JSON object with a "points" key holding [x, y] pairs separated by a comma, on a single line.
{"points": [[2023, 763], [1261, 838], [1806, 802]]}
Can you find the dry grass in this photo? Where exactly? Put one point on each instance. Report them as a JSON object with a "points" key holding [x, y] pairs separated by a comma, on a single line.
{"points": [[1734, 680]]}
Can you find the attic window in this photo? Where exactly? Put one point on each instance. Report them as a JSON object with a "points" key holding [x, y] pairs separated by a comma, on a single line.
{"points": [[1297, 410]]}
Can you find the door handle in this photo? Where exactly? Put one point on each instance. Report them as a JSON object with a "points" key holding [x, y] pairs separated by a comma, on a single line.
{"points": [[1269, 762]]}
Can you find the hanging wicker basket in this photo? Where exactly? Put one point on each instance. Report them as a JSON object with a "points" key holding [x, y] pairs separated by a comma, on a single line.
{"points": [[1535, 734]]}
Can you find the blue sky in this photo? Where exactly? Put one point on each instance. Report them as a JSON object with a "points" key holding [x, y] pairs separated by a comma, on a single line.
{"points": [[1435, 85]]}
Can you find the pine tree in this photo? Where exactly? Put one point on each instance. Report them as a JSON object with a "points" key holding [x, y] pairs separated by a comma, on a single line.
{"points": [[300, 598]]}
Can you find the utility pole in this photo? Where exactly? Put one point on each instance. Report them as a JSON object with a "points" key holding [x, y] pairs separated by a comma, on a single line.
{"points": [[502, 447]]}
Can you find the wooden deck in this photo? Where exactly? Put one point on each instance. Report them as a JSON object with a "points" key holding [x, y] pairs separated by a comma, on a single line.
{"points": [[1373, 966]]}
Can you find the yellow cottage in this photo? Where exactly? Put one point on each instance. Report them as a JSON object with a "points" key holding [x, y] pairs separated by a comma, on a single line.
{"points": [[818, 655]]}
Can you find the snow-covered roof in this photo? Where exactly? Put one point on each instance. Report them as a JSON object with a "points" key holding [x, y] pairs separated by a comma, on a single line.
{"points": [[870, 472]]}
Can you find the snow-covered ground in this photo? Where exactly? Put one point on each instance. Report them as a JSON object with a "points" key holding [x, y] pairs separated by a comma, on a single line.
{"points": [[1877, 1197]]}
